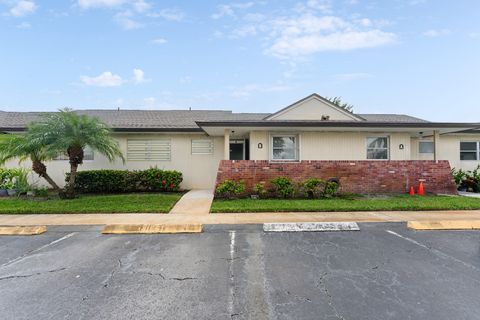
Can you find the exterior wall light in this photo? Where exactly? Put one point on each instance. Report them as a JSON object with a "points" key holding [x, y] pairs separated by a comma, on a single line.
{"points": [[260, 145]]}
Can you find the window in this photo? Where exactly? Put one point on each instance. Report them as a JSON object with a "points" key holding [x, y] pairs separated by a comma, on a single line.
{"points": [[426, 147], [87, 155], [202, 146], [285, 147], [377, 148], [148, 150], [469, 151]]}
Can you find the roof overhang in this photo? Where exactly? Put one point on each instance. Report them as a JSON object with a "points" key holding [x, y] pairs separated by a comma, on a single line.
{"points": [[217, 128], [125, 130]]}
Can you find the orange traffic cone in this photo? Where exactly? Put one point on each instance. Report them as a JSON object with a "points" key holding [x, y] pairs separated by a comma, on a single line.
{"points": [[412, 191], [421, 191]]}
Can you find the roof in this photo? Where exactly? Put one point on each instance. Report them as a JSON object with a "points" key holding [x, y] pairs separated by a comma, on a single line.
{"points": [[391, 118], [137, 120], [193, 120]]}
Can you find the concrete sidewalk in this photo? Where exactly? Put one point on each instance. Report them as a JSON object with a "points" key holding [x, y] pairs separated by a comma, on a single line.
{"points": [[233, 218], [194, 202]]}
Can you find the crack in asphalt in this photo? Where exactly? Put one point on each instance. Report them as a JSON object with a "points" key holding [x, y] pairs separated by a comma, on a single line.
{"points": [[324, 287], [31, 275], [107, 281]]}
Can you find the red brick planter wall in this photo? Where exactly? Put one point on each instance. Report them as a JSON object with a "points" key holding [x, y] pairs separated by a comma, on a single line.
{"points": [[361, 177]]}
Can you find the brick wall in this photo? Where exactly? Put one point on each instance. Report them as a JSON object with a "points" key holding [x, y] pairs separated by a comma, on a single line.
{"points": [[361, 177]]}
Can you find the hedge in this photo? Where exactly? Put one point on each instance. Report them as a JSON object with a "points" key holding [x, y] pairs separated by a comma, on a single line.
{"points": [[119, 181]]}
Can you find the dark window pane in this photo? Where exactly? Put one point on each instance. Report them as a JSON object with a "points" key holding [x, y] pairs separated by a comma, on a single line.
{"points": [[468, 146], [468, 156], [377, 154]]}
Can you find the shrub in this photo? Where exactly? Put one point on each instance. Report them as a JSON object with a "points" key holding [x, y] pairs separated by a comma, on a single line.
{"points": [[230, 189], [259, 189], [15, 178], [312, 187], [331, 189], [121, 181], [283, 187], [467, 180]]}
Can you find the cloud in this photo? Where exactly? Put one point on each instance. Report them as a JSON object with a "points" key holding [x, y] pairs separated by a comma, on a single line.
{"points": [[23, 8], [149, 102], [229, 10], [310, 28], [159, 41], [437, 33], [106, 79], [138, 76], [24, 25], [474, 34], [88, 4], [309, 34], [125, 19], [169, 14]]}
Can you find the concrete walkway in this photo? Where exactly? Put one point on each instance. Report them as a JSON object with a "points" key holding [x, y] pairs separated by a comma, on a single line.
{"points": [[233, 218], [194, 202], [469, 194]]}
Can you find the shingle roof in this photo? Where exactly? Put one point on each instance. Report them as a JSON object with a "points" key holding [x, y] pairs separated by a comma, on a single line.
{"points": [[390, 118], [184, 120], [137, 119]]}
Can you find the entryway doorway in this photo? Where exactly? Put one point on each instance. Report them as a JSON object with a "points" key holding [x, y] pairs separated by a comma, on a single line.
{"points": [[239, 149]]}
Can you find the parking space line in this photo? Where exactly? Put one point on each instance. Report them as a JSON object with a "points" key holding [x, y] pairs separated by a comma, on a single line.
{"points": [[18, 259], [436, 252]]}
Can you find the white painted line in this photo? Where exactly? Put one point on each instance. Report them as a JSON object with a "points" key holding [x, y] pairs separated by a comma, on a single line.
{"points": [[36, 250], [231, 297], [310, 226]]}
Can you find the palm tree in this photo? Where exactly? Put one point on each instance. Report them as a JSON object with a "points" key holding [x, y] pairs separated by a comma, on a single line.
{"points": [[67, 132], [339, 103], [23, 148]]}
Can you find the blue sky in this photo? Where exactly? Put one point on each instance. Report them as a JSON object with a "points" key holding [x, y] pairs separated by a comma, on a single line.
{"points": [[419, 57]]}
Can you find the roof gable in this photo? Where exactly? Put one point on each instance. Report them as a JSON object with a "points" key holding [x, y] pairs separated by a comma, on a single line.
{"points": [[314, 107]]}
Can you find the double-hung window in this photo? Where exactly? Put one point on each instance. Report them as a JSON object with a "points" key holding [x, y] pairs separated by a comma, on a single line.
{"points": [[470, 151], [285, 148], [377, 148]]}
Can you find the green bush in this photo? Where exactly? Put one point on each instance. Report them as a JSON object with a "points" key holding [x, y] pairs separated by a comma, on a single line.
{"points": [[14, 178], [121, 181], [313, 187], [467, 180], [283, 187], [331, 189], [259, 190], [230, 189]]}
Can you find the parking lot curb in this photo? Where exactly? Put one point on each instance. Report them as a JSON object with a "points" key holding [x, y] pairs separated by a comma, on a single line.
{"points": [[310, 227], [444, 225], [152, 228], [22, 230]]}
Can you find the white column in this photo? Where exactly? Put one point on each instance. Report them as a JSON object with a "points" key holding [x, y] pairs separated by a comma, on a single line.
{"points": [[226, 150], [436, 145]]}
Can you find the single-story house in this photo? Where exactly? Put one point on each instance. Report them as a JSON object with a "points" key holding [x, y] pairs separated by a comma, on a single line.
{"points": [[309, 137]]}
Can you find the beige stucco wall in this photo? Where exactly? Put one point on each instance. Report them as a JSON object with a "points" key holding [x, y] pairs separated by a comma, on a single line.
{"points": [[331, 145], [312, 109], [449, 149], [199, 171]]}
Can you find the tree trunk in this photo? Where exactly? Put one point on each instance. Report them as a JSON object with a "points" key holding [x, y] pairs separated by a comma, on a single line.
{"points": [[39, 168], [70, 192], [75, 154]]}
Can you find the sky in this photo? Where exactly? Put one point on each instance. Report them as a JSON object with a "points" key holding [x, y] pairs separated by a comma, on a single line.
{"points": [[417, 57]]}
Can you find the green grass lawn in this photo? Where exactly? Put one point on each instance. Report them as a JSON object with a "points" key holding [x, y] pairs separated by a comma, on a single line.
{"points": [[124, 203], [394, 203]]}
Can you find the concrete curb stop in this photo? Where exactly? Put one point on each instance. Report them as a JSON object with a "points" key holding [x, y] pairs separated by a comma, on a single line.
{"points": [[22, 230], [310, 227]]}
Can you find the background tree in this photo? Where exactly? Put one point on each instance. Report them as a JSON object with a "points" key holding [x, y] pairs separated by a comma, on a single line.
{"points": [[23, 148], [339, 103], [67, 132]]}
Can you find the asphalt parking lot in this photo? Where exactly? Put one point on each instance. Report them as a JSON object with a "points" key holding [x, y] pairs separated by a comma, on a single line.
{"points": [[384, 271]]}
